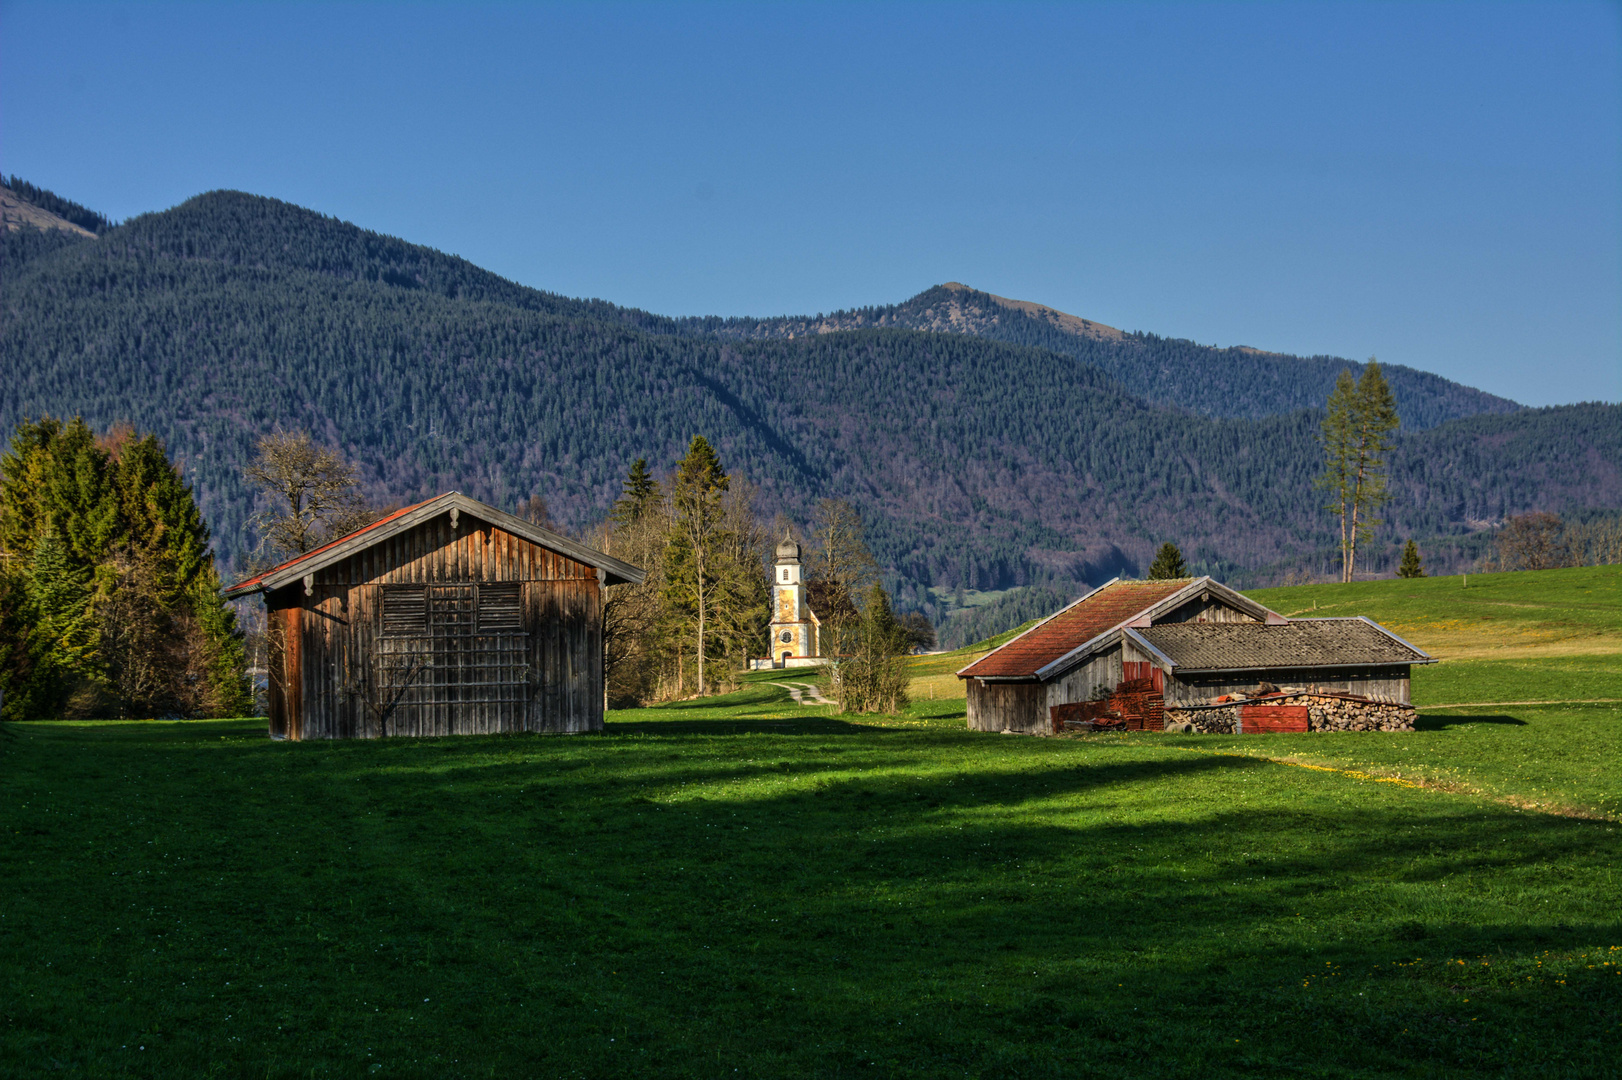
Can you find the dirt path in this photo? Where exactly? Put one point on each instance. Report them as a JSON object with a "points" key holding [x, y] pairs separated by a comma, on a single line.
{"points": [[800, 691]]}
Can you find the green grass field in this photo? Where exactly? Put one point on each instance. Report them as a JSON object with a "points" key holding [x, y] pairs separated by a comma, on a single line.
{"points": [[747, 887]]}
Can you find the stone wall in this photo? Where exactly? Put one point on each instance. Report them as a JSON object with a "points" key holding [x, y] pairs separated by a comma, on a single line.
{"points": [[1326, 712]]}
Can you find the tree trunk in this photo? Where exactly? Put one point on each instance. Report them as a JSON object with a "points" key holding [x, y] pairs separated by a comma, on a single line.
{"points": [[699, 561]]}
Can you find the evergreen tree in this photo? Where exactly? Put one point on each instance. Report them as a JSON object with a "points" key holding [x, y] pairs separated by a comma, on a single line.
{"points": [[1410, 567], [229, 690], [692, 577], [1168, 563], [54, 479], [157, 511], [61, 638], [641, 492], [109, 571], [1357, 441]]}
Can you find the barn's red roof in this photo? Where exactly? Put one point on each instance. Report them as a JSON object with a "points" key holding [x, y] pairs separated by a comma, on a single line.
{"points": [[254, 581], [1102, 610]]}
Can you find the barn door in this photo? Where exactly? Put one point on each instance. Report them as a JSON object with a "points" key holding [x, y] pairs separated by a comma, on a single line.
{"points": [[452, 659]]}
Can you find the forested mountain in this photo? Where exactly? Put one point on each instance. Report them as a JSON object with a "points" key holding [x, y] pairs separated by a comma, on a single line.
{"points": [[1232, 382], [976, 462], [18, 213]]}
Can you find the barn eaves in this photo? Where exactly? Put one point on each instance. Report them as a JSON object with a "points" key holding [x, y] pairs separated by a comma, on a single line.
{"points": [[611, 570]]}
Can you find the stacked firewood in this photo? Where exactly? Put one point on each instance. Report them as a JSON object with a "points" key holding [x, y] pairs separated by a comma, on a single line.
{"points": [[1327, 711]]}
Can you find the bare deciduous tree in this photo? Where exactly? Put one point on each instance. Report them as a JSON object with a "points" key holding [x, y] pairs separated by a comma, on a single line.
{"points": [[632, 612], [312, 495], [1533, 542], [153, 653], [840, 569], [534, 511]]}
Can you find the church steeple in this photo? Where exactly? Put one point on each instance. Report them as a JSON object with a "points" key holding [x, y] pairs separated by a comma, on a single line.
{"points": [[794, 625]]}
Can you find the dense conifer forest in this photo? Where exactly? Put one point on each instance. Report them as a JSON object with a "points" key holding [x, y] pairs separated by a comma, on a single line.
{"points": [[976, 462], [1232, 382]]}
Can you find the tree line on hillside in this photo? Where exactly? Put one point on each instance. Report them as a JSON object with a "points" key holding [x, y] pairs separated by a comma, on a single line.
{"points": [[51, 202], [109, 600], [1544, 541], [973, 462]]}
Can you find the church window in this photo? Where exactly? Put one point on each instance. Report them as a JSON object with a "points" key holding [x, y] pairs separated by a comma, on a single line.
{"points": [[786, 635]]}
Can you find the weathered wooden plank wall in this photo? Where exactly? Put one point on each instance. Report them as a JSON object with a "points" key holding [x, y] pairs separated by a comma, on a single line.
{"points": [[1016, 706], [342, 677], [1101, 672], [1205, 609]]}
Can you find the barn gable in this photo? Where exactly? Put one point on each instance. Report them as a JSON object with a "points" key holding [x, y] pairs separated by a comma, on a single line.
{"points": [[449, 617]]}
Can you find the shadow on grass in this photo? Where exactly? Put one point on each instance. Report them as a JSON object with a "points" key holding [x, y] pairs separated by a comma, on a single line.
{"points": [[1002, 911], [1437, 721]]}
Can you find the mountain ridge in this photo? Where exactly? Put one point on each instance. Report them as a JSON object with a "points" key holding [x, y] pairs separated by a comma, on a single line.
{"points": [[233, 315], [1200, 378]]}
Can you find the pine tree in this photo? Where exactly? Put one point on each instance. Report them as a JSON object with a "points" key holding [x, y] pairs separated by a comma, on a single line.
{"points": [[1356, 437], [61, 642], [691, 578], [1168, 563], [111, 571], [1411, 567], [230, 692], [641, 491], [157, 511]]}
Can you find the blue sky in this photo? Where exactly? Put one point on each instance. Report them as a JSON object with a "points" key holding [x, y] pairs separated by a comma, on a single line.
{"points": [[1437, 185]]}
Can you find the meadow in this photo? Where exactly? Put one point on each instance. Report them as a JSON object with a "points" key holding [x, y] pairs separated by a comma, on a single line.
{"points": [[744, 886]]}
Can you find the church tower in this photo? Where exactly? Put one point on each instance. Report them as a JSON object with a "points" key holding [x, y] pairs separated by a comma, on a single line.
{"points": [[794, 624]]}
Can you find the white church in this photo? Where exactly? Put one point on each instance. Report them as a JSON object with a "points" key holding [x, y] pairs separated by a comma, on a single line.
{"points": [[795, 627]]}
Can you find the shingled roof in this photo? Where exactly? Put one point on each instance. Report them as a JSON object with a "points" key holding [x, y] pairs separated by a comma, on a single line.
{"points": [[1300, 643], [1100, 611]]}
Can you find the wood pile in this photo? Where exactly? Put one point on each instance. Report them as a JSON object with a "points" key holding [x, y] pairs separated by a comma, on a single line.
{"points": [[1326, 711]]}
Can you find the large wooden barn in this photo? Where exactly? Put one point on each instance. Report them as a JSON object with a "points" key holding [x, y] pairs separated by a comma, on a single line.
{"points": [[446, 618], [1191, 653]]}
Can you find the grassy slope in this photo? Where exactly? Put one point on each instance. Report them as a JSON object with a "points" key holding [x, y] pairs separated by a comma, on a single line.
{"points": [[745, 884], [1480, 616]]}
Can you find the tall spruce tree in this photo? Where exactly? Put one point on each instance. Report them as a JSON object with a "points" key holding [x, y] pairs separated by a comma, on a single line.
{"points": [[1357, 441], [89, 526], [60, 636], [640, 492], [692, 579]]}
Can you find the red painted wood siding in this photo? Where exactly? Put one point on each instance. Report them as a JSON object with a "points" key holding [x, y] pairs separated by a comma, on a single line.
{"points": [[1265, 719]]}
